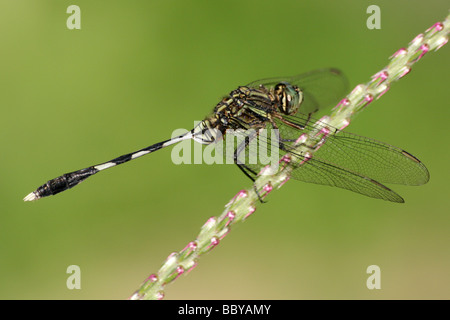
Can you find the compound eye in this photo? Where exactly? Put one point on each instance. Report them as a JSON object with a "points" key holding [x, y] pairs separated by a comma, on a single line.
{"points": [[289, 98]]}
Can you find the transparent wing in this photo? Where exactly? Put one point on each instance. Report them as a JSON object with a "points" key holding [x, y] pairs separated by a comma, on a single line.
{"points": [[368, 157], [321, 172], [329, 174], [321, 88], [346, 160]]}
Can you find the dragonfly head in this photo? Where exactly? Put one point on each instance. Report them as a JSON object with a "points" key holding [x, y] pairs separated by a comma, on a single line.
{"points": [[289, 97]]}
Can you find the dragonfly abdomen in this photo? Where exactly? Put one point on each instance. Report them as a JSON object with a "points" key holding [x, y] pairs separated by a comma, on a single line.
{"points": [[62, 183]]}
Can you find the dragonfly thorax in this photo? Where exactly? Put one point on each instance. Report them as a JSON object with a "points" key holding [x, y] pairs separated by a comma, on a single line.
{"points": [[244, 108], [248, 108], [289, 98]]}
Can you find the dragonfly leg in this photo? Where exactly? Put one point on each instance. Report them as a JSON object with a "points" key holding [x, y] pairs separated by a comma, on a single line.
{"points": [[244, 168], [241, 147]]}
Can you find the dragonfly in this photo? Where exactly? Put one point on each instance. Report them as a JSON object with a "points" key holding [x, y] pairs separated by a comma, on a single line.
{"points": [[286, 104]]}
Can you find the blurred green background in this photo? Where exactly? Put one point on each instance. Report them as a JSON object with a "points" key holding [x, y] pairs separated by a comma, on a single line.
{"points": [[136, 71]]}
